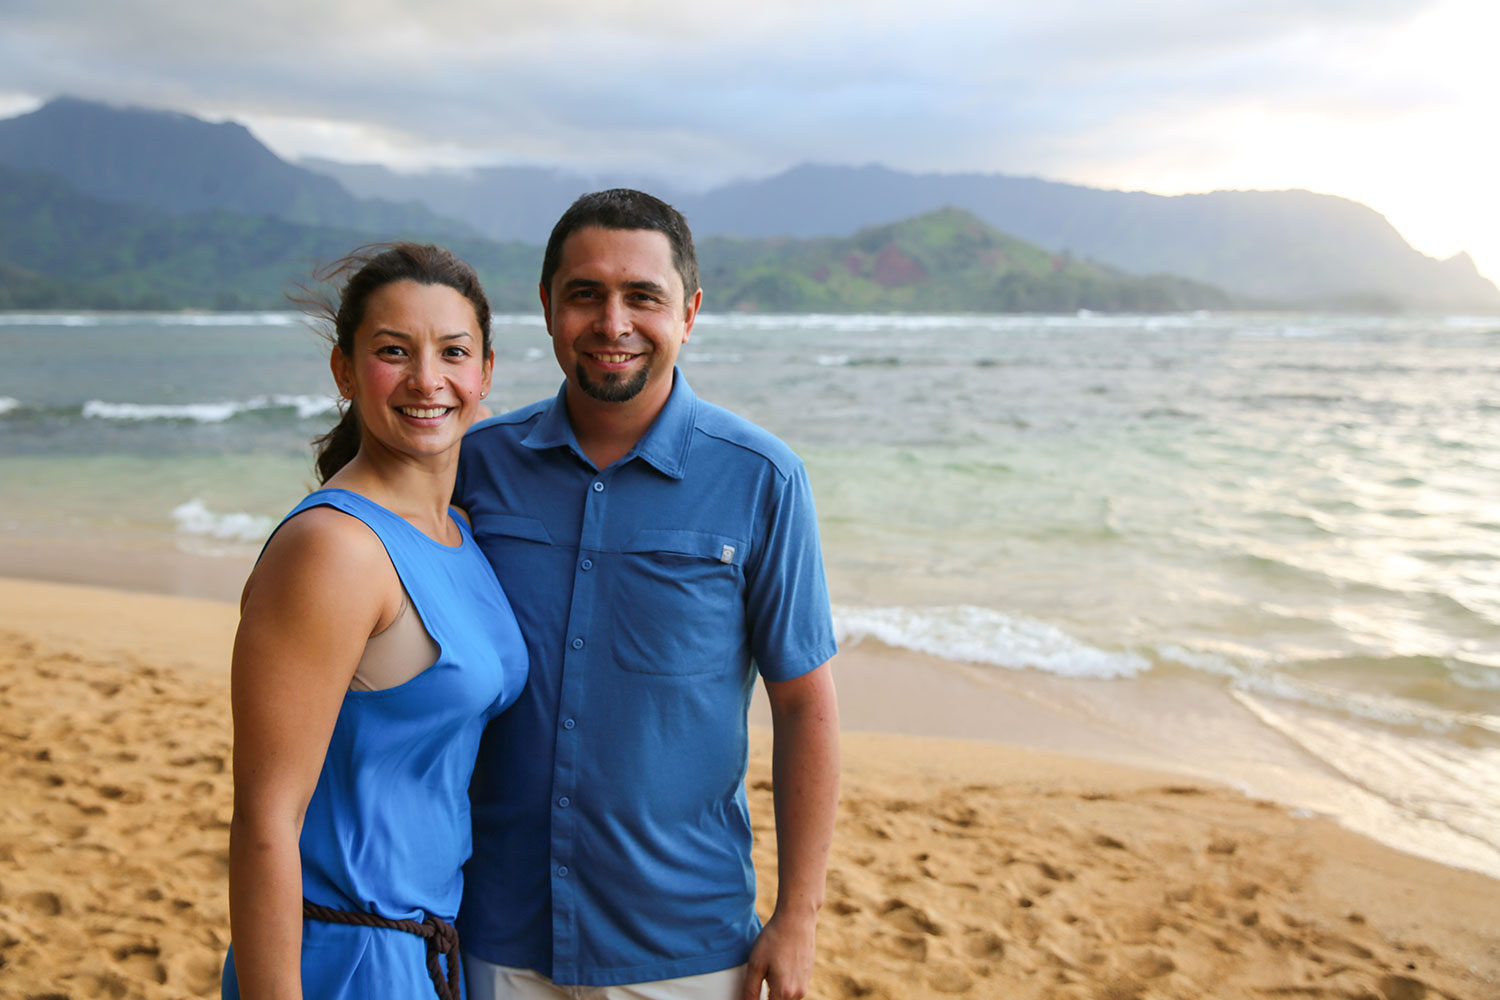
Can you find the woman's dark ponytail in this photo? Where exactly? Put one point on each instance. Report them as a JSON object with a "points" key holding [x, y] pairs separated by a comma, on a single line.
{"points": [[335, 449], [364, 272]]}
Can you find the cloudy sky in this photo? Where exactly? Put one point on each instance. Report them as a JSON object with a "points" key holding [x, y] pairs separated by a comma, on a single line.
{"points": [[1394, 103]]}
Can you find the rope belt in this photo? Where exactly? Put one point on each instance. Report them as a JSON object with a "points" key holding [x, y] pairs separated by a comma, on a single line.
{"points": [[440, 936]]}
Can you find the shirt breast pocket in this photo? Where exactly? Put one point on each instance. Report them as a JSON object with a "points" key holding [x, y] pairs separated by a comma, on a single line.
{"points": [[510, 526], [678, 603]]}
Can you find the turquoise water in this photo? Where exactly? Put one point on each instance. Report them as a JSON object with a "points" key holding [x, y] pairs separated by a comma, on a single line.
{"points": [[1302, 511]]}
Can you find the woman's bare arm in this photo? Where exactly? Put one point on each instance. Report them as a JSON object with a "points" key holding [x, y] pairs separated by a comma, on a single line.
{"points": [[321, 588]]}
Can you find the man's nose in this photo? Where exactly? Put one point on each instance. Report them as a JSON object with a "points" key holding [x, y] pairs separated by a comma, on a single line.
{"points": [[614, 318]]}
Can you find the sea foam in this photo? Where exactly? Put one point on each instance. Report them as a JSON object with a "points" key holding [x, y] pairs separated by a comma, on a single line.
{"points": [[7, 404], [194, 518], [980, 635], [207, 413], [106, 319]]}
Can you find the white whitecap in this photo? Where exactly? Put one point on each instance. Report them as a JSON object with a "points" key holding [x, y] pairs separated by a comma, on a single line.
{"points": [[708, 358], [208, 413], [195, 518], [7, 404], [229, 319], [306, 406], [981, 635], [517, 319], [47, 319]]}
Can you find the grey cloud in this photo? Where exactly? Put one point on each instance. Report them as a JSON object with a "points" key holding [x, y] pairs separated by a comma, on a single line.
{"points": [[694, 89]]}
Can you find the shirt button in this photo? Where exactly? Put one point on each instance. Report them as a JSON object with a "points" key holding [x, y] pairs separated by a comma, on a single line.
{"points": [[598, 487], [588, 564], [564, 802], [562, 871], [569, 723], [577, 643]]}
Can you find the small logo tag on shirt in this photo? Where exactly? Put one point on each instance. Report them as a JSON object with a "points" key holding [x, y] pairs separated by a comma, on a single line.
{"points": [[726, 554]]}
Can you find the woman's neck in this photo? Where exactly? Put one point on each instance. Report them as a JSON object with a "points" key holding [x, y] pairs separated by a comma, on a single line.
{"points": [[419, 492]]}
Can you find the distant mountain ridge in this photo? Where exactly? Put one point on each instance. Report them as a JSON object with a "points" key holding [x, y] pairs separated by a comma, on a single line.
{"points": [[60, 249], [1296, 248], [1287, 246], [177, 163], [145, 176], [63, 249]]}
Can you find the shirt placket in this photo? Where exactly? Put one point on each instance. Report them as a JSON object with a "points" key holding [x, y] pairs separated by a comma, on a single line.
{"points": [[568, 904]]}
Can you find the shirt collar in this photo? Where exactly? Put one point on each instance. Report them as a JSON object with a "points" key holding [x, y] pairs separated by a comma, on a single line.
{"points": [[664, 445]]}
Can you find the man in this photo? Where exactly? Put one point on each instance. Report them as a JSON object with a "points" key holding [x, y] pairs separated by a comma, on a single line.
{"points": [[657, 550]]}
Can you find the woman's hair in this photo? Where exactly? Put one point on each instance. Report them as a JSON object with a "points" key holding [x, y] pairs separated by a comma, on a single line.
{"points": [[364, 272]]}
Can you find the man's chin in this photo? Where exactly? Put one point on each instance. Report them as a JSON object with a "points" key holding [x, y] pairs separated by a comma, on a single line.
{"points": [[612, 388]]}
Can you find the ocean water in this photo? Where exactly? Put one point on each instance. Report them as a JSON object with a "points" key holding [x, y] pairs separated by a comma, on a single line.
{"points": [[1300, 512]]}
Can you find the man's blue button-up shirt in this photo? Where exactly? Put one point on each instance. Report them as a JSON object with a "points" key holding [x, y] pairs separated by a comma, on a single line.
{"points": [[611, 834]]}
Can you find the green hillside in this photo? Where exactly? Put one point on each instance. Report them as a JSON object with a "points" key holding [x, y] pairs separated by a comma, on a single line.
{"points": [[62, 250], [944, 261]]}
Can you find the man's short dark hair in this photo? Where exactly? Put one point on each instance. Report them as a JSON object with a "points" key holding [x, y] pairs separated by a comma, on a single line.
{"points": [[624, 208]]}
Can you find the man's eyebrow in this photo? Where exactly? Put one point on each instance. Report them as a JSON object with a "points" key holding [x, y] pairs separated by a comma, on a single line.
{"points": [[640, 285]]}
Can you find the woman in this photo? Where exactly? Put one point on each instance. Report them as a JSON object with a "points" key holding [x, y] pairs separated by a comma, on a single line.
{"points": [[374, 644]]}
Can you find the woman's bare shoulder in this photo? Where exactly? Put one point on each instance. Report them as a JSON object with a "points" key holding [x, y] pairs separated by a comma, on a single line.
{"points": [[321, 548]]}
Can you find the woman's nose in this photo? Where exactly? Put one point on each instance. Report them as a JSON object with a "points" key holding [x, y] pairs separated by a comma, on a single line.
{"points": [[424, 377]]}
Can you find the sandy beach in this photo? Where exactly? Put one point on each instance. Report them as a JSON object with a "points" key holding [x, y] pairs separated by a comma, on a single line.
{"points": [[960, 867]]}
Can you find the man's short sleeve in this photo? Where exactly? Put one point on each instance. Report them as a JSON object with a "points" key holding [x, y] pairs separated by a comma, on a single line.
{"points": [[791, 624]]}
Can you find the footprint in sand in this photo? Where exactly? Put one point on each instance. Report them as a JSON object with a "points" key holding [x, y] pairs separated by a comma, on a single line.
{"points": [[908, 948], [1402, 988], [985, 945], [140, 961], [1151, 965], [958, 814], [902, 915], [42, 904], [109, 985], [854, 989], [948, 977], [209, 762]]}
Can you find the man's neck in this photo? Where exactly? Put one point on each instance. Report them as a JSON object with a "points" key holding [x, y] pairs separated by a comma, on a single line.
{"points": [[607, 431]]}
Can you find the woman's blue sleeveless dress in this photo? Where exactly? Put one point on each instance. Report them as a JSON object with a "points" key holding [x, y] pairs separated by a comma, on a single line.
{"points": [[387, 829]]}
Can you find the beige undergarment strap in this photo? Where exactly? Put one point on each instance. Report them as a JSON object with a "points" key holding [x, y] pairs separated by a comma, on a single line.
{"points": [[396, 654]]}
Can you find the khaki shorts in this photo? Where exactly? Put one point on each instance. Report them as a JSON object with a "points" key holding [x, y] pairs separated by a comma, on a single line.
{"points": [[486, 981]]}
